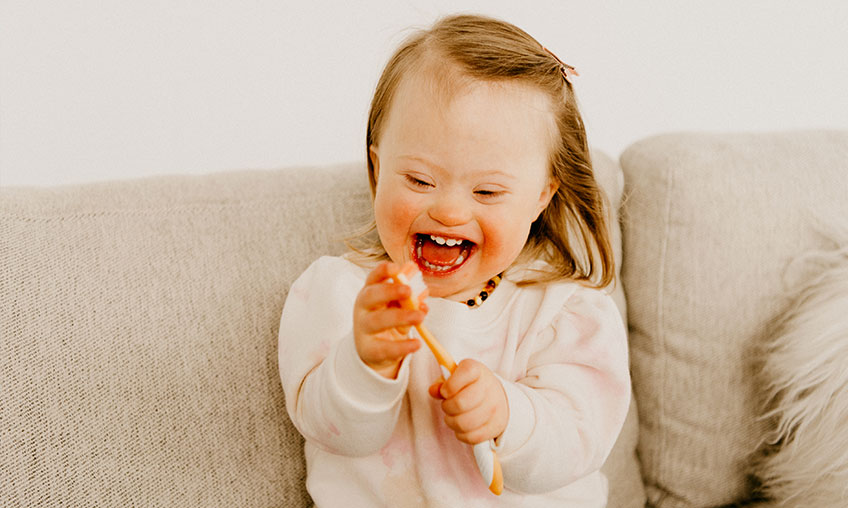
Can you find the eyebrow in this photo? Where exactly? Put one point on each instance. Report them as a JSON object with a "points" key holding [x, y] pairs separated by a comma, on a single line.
{"points": [[487, 172]]}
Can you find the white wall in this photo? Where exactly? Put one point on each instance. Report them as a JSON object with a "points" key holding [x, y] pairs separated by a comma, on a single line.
{"points": [[96, 90]]}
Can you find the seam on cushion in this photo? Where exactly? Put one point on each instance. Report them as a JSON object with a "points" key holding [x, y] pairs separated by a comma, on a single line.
{"points": [[149, 211], [660, 308]]}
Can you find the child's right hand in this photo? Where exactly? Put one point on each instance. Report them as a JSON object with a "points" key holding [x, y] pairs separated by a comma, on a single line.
{"points": [[380, 325]]}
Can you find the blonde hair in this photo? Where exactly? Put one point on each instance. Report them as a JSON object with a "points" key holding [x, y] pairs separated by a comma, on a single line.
{"points": [[571, 234]]}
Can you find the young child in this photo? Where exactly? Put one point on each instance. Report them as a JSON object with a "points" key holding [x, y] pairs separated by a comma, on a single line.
{"points": [[479, 166]]}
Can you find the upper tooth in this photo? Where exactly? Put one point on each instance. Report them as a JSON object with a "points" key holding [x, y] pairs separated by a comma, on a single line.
{"points": [[449, 241]]}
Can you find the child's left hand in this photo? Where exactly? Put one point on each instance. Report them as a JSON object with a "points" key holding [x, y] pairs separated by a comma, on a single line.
{"points": [[474, 402]]}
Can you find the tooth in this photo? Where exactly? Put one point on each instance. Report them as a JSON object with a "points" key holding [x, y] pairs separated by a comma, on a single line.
{"points": [[434, 267], [451, 242], [459, 260], [458, 241], [440, 240]]}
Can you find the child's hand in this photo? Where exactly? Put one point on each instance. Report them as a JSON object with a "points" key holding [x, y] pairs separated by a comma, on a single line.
{"points": [[380, 326], [474, 402]]}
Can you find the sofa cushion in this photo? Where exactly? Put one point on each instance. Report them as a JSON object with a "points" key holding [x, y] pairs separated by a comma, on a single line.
{"points": [[710, 223], [138, 346], [139, 332], [622, 466]]}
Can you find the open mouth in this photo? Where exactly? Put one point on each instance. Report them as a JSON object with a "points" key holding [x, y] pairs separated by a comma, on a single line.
{"points": [[441, 255]]}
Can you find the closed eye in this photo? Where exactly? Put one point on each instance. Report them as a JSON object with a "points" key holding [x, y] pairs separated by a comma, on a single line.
{"points": [[415, 182], [487, 194]]}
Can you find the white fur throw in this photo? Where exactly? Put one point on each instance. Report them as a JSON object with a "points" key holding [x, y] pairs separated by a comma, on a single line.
{"points": [[805, 377]]}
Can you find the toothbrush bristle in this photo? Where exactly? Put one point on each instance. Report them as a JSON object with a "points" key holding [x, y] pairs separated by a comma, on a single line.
{"points": [[412, 277]]}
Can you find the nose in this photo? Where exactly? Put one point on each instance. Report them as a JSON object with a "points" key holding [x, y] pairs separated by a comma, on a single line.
{"points": [[450, 209]]}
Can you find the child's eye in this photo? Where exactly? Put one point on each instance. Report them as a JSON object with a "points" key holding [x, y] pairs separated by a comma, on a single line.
{"points": [[416, 182], [488, 193]]}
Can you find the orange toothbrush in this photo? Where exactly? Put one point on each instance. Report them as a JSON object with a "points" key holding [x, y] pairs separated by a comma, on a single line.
{"points": [[484, 453]]}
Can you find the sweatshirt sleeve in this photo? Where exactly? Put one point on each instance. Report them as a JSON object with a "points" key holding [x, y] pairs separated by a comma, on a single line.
{"points": [[567, 411], [336, 401]]}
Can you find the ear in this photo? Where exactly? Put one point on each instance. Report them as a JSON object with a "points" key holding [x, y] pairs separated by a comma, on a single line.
{"points": [[375, 162], [545, 196]]}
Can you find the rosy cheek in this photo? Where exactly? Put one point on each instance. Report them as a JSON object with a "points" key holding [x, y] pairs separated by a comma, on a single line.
{"points": [[504, 239], [497, 232], [394, 216]]}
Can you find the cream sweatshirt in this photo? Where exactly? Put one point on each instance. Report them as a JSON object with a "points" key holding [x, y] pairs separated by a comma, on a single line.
{"points": [[559, 349]]}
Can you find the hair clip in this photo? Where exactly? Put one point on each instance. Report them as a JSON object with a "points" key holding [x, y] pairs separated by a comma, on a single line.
{"points": [[567, 70]]}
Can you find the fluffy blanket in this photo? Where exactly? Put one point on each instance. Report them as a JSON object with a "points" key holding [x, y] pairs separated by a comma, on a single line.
{"points": [[805, 378]]}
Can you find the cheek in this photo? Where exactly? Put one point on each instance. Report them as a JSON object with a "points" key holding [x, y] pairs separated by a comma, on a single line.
{"points": [[394, 216], [505, 237]]}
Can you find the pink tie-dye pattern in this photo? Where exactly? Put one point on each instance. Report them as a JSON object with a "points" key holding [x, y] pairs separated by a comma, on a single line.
{"points": [[297, 292], [335, 430], [397, 448], [456, 457], [585, 326]]}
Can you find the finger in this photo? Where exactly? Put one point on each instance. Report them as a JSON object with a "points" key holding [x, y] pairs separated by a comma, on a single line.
{"points": [[473, 426], [466, 400], [477, 435], [466, 373], [435, 387], [379, 295], [386, 350], [381, 272], [380, 320]]}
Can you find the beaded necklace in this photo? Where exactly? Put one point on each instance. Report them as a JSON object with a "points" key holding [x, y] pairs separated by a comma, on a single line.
{"points": [[490, 287]]}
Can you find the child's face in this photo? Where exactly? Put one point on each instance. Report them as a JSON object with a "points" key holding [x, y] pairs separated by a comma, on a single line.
{"points": [[470, 167]]}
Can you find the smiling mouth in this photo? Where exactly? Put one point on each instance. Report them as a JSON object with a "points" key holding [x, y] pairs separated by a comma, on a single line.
{"points": [[440, 255]]}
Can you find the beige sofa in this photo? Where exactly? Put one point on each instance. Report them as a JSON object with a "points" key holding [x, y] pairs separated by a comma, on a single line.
{"points": [[139, 319]]}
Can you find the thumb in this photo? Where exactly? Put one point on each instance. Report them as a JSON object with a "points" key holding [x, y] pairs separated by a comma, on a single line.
{"points": [[435, 388]]}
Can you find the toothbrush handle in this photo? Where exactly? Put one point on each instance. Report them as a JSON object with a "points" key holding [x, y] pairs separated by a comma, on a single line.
{"points": [[484, 452], [442, 356], [489, 465]]}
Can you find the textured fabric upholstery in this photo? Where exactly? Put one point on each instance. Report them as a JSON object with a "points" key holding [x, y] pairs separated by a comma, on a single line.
{"points": [[710, 223], [138, 351], [138, 331], [622, 466]]}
